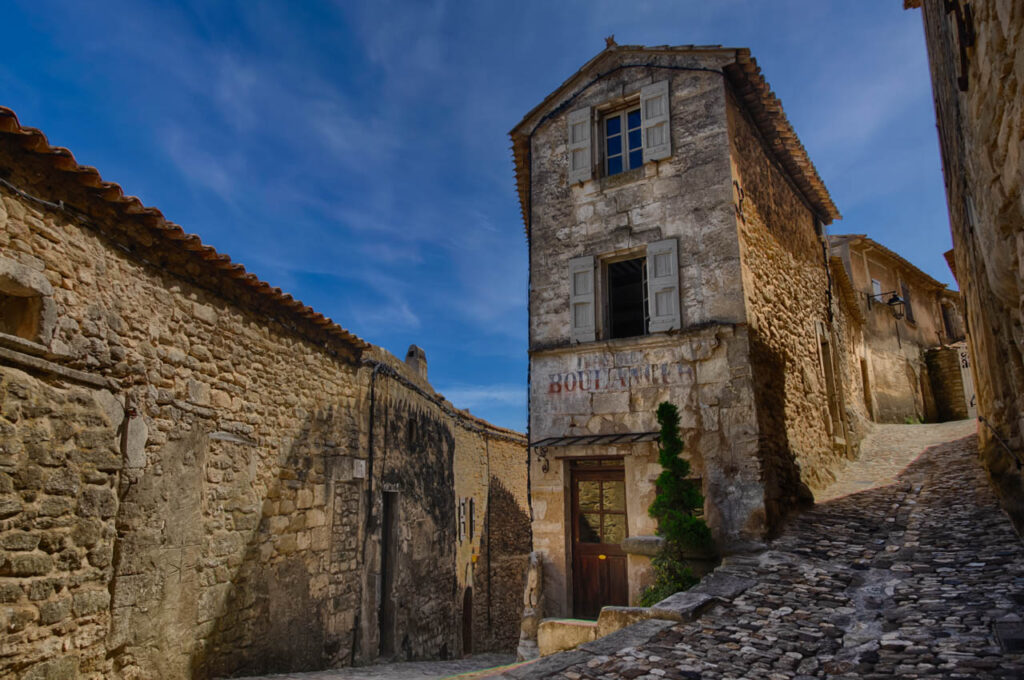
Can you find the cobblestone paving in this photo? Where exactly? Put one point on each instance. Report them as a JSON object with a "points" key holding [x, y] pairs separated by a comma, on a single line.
{"points": [[904, 580], [887, 451], [413, 670]]}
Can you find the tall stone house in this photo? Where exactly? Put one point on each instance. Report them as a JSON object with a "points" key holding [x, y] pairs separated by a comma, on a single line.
{"points": [[974, 51], [677, 253], [201, 477], [906, 335]]}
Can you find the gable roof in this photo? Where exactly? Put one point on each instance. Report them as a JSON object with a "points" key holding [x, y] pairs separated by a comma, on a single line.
{"points": [[752, 90], [148, 227], [863, 241]]}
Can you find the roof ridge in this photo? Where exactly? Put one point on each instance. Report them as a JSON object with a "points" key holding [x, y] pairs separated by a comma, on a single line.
{"points": [[172, 234]]}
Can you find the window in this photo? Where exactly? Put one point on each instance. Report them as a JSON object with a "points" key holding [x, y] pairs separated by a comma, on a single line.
{"points": [[627, 137], [627, 298], [27, 309], [876, 287], [623, 147], [641, 294]]}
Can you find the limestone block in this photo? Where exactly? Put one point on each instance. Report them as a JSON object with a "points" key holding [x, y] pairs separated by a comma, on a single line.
{"points": [[25, 564], [21, 281], [135, 442], [87, 602], [611, 402], [559, 635], [612, 619]]}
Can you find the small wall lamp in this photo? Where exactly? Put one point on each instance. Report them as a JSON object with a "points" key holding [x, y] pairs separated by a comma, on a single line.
{"points": [[895, 303]]}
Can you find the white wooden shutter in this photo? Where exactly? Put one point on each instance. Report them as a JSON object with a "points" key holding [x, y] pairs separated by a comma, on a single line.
{"points": [[663, 285], [580, 165], [581, 298], [655, 120]]}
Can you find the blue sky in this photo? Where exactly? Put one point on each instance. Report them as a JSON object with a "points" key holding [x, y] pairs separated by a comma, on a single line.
{"points": [[356, 153]]}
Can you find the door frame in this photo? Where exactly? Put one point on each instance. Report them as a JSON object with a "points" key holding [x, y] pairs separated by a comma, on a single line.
{"points": [[602, 473]]}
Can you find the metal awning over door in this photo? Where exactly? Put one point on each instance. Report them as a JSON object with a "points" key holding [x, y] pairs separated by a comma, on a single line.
{"points": [[597, 439]]}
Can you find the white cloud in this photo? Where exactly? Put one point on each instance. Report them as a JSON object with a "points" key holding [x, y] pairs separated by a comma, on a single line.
{"points": [[478, 396]]}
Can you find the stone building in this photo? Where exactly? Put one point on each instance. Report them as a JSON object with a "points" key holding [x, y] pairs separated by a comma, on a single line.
{"points": [[677, 252], [903, 322], [974, 50], [200, 476]]}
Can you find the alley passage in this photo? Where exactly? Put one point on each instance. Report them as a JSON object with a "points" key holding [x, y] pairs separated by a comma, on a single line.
{"points": [[905, 580]]}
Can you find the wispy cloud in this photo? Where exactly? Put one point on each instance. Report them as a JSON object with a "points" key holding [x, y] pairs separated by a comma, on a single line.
{"points": [[477, 396]]}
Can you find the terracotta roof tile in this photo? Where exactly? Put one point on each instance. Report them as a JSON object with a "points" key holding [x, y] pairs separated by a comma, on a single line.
{"points": [[172, 236]]}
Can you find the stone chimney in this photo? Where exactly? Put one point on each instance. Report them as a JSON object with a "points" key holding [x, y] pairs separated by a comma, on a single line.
{"points": [[416, 359]]}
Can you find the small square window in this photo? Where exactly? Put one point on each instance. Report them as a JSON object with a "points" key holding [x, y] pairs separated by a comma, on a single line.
{"points": [[623, 141]]}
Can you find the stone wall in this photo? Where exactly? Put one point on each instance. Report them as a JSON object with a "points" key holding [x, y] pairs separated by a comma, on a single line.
{"points": [[792, 337], [223, 506], [686, 196], [613, 387], [59, 467], [947, 383], [977, 85]]}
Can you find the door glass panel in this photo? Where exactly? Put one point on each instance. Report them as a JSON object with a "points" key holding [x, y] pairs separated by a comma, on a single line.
{"points": [[614, 495], [590, 527], [589, 495], [614, 528]]}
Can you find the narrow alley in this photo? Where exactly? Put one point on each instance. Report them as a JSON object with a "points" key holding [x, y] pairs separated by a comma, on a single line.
{"points": [[875, 581], [908, 579]]}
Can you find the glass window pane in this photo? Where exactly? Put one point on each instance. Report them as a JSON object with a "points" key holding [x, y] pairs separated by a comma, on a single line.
{"points": [[615, 165], [588, 495], [636, 158], [613, 126], [590, 528], [614, 496], [633, 119], [634, 139], [614, 529], [615, 145]]}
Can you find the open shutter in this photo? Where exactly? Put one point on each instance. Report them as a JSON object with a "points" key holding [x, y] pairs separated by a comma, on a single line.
{"points": [[580, 166], [654, 116], [663, 285], [581, 298]]}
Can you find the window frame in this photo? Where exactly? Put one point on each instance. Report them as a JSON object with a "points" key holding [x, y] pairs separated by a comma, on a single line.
{"points": [[622, 113]]}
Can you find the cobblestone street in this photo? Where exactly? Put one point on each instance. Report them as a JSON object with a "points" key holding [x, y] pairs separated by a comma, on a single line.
{"points": [[902, 580], [901, 574], [413, 670]]}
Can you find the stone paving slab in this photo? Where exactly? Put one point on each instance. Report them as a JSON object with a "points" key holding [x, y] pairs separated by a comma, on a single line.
{"points": [[907, 579]]}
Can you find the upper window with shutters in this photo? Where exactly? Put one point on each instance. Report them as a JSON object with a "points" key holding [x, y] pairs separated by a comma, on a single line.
{"points": [[627, 137]]}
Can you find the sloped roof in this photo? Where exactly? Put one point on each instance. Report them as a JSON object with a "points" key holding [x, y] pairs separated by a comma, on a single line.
{"points": [[751, 88], [146, 223], [862, 239]]}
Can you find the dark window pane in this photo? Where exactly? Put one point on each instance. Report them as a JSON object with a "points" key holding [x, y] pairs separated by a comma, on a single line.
{"points": [[634, 139], [636, 159], [615, 145], [626, 298], [634, 119], [590, 528], [615, 165], [613, 125]]}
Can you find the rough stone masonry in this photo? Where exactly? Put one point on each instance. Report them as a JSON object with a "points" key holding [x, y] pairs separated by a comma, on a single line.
{"points": [[200, 476]]}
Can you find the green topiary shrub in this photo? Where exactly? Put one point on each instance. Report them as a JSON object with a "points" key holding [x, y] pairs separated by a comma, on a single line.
{"points": [[675, 506]]}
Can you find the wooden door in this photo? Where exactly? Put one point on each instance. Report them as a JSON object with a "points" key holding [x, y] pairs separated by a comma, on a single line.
{"points": [[598, 529]]}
